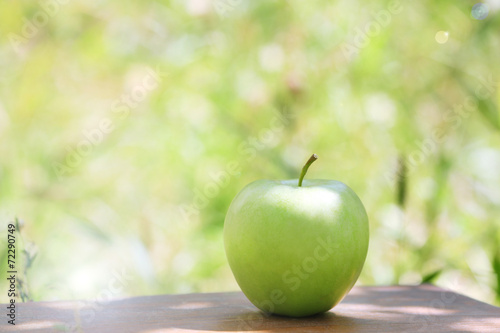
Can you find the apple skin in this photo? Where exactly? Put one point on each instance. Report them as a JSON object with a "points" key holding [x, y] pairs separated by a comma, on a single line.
{"points": [[296, 251]]}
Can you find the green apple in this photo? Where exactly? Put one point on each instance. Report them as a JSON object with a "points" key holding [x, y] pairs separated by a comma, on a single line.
{"points": [[296, 247]]}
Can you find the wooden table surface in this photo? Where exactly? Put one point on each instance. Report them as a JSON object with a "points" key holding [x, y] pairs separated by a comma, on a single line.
{"points": [[423, 308]]}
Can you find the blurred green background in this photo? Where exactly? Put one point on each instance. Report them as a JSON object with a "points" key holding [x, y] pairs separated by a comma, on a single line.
{"points": [[127, 127]]}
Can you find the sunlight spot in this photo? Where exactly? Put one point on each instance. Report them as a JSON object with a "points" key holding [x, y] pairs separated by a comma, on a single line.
{"points": [[61, 305], [195, 305], [425, 310], [36, 325], [83, 280], [198, 7], [442, 37]]}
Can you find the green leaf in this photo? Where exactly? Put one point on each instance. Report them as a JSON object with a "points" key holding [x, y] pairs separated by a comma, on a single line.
{"points": [[489, 111], [429, 278], [496, 269]]}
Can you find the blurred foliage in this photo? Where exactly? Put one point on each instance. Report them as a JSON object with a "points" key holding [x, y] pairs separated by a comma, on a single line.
{"points": [[116, 115]]}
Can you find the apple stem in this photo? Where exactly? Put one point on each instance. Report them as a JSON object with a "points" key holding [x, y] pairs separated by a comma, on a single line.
{"points": [[310, 161]]}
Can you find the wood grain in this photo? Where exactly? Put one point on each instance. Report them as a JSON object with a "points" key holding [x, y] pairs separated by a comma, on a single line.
{"points": [[366, 309]]}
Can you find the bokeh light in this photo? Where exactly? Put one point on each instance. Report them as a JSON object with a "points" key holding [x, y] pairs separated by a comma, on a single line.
{"points": [[480, 11], [442, 37]]}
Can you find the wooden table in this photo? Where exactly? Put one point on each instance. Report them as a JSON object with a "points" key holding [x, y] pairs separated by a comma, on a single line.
{"points": [[366, 309]]}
